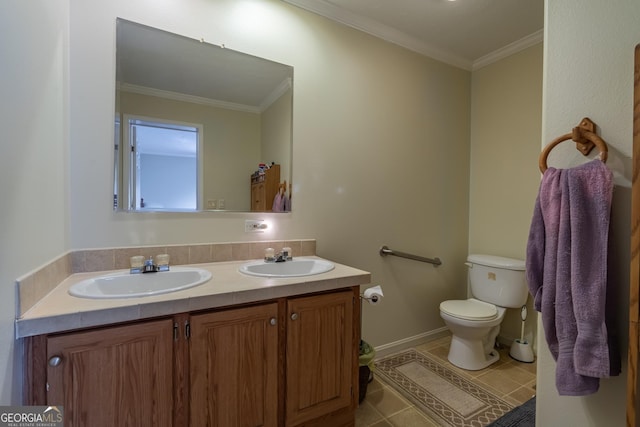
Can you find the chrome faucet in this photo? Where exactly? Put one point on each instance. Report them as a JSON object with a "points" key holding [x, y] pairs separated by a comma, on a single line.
{"points": [[281, 256], [284, 255], [149, 266]]}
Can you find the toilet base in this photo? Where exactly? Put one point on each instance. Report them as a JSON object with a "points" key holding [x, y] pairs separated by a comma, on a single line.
{"points": [[470, 354]]}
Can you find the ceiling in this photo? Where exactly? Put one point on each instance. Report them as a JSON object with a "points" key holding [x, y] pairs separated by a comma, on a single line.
{"points": [[465, 33], [156, 62]]}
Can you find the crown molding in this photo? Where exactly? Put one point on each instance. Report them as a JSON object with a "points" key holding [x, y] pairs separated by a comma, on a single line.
{"points": [[381, 31], [142, 90], [276, 94], [392, 35], [508, 50], [266, 103]]}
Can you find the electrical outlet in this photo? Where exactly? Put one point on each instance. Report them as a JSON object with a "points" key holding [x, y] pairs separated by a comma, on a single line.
{"points": [[211, 204], [254, 226], [220, 203]]}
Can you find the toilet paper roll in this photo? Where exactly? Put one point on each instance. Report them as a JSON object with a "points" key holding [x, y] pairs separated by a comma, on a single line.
{"points": [[373, 295]]}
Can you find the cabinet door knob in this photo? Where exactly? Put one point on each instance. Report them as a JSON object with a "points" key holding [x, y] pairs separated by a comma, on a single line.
{"points": [[55, 361], [273, 321], [294, 316]]}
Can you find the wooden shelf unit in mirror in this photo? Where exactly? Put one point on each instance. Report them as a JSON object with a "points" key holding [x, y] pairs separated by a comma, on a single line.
{"points": [[264, 189]]}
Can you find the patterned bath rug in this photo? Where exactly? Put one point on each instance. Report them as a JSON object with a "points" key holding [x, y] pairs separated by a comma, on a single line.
{"points": [[442, 394]]}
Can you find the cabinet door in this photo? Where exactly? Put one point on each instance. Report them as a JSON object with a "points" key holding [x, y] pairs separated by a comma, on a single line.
{"points": [[234, 367], [320, 356], [118, 376]]}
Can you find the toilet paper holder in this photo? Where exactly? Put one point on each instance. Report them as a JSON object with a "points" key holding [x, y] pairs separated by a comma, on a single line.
{"points": [[372, 295], [374, 299]]}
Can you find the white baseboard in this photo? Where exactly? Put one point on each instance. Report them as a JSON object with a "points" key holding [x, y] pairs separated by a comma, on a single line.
{"points": [[405, 343], [416, 340]]}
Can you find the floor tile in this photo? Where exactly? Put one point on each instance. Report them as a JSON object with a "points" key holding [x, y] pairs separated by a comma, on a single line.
{"points": [[529, 367], [387, 402], [410, 417], [367, 415], [383, 423], [499, 381], [521, 395], [514, 372], [440, 352]]}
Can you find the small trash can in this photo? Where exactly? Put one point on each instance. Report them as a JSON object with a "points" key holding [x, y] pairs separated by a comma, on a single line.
{"points": [[367, 353]]}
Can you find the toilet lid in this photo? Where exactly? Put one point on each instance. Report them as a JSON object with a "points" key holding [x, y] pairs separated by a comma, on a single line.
{"points": [[469, 309]]}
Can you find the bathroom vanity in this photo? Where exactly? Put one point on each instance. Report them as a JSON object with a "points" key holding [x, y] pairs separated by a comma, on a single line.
{"points": [[237, 350]]}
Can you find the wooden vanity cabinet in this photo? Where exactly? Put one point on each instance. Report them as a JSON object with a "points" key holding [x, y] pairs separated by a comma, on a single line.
{"points": [[117, 376], [234, 367], [289, 362], [322, 359]]}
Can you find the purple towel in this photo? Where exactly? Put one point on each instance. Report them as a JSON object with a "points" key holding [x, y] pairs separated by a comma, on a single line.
{"points": [[278, 205], [567, 272]]}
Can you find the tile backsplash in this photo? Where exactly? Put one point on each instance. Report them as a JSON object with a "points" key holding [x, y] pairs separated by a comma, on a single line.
{"points": [[35, 285]]}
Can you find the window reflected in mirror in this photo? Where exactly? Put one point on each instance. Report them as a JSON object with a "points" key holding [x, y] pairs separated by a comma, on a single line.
{"points": [[163, 164]]}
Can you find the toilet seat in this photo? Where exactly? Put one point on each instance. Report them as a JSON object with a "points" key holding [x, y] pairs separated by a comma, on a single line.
{"points": [[470, 309]]}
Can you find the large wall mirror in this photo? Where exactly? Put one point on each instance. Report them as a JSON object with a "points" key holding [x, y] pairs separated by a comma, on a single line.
{"points": [[199, 126]]}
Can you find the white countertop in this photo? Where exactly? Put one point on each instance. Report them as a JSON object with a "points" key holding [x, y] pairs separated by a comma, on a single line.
{"points": [[58, 311]]}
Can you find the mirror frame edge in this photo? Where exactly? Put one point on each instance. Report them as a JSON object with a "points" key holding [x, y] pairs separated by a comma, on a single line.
{"points": [[633, 381]]}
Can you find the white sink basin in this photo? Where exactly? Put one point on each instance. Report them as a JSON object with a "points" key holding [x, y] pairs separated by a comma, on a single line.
{"points": [[126, 285], [293, 268]]}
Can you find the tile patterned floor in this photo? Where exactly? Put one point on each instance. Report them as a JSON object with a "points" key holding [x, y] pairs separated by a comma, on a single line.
{"points": [[384, 407]]}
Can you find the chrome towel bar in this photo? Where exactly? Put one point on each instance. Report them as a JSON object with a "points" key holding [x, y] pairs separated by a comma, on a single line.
{"points": [[384, 251]]}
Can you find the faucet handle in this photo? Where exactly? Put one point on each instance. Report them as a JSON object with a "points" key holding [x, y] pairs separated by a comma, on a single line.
{"points": [[162, 262]]}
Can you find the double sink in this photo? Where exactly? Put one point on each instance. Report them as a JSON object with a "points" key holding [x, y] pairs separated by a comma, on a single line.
{"points": [[123, 284]]}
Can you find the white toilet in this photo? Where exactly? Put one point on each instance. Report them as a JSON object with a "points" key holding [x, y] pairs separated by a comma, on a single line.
{"points": [[497, 283]]}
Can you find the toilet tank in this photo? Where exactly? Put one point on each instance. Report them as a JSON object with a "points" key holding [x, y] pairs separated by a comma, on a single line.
{"points": [[498, 280]]}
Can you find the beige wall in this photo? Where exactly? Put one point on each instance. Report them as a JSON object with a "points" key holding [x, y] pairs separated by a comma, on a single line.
{"points": [[589, 73], [276, 134], [506, 125], [506, 121], [34, 164]]}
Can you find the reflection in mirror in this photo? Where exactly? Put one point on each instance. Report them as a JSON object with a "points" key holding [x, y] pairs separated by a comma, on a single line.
{"points": [[199, 126]]}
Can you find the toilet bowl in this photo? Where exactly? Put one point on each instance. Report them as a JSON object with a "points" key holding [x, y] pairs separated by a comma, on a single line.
{"points": [[472, 338], [496, 284]]}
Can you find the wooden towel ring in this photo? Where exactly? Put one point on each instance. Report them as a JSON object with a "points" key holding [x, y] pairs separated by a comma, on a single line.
{"points": [[585, 139]]}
